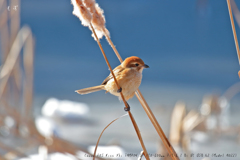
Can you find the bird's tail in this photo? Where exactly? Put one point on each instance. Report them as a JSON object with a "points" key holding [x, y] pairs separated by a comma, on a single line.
{"points": [[90, 89]]}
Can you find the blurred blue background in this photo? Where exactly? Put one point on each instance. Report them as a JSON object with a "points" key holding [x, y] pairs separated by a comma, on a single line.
{"points": [[185, 43]]}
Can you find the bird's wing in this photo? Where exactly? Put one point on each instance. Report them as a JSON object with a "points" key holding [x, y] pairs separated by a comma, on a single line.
{"points": [[116, 72]]}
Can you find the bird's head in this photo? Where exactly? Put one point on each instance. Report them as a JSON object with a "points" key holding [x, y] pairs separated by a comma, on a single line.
{"points": [[134, 63]]}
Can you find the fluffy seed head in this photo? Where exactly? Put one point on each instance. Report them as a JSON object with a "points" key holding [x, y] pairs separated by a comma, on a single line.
{"points": [[81, 12], [89, 12], [98, 21], [90, 4]]}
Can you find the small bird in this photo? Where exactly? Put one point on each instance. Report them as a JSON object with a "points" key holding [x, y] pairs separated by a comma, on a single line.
{"points": [[128, 75]]}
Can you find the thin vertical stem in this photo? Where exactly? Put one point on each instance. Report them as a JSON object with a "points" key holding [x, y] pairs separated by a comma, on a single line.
{"points": [[28, 66], [139, 135], [234, 31], [113, 47], [95, 150]]}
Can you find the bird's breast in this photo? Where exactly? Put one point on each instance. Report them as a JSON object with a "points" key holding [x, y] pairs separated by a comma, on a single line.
{"points": [[129, 81]]}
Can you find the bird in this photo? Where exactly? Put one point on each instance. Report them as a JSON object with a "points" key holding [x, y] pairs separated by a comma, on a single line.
{"points": [[128, 75]]}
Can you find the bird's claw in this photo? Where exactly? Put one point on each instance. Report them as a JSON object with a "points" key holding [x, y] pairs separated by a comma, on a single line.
{"points": [[119, 90], [127, 108]]}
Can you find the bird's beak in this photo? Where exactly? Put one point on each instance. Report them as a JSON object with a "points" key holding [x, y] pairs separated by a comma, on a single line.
{"points": [[145, 66]]}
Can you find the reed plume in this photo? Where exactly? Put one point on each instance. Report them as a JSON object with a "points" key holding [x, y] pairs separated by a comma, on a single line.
{"points": [[89, 12], [90, 4], [81, 12]]}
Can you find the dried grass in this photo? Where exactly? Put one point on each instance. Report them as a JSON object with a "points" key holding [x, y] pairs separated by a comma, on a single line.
{"points": [[15, 93]]}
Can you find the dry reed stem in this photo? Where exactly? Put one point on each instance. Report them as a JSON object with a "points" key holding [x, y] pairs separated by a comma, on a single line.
{"points": [[234, 31], [23, 38], [139, 135], [232, 91], [58, 144], [191, 120], [95, 150], [20, 39], [28, 67], [113, 47], [236, 12], [4, 30], [126, 105], [14, 28], [178, 113], [12, 58], [148, 111]]}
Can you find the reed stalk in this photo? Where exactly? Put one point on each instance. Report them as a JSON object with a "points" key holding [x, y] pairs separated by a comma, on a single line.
{"points": [[24, 40], [95, 150], [148, 111], [28, 60], [12, 58], [14, 93], [4, 30], [13, 29], [234, 32], [232, 91], [126, 104]]}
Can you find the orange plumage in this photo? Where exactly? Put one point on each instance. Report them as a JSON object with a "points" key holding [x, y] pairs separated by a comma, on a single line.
{"points": [[128, 75]]}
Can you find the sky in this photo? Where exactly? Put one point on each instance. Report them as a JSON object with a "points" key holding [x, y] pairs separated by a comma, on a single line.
{"points": [[185, 43]]}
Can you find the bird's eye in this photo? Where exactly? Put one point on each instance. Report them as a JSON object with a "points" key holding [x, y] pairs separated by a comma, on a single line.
{"points": [[136, 64]]}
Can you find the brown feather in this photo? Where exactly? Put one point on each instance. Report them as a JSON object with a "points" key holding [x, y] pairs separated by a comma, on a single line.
{"points": [[90, 89], [116, 72], [127, 63]]}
